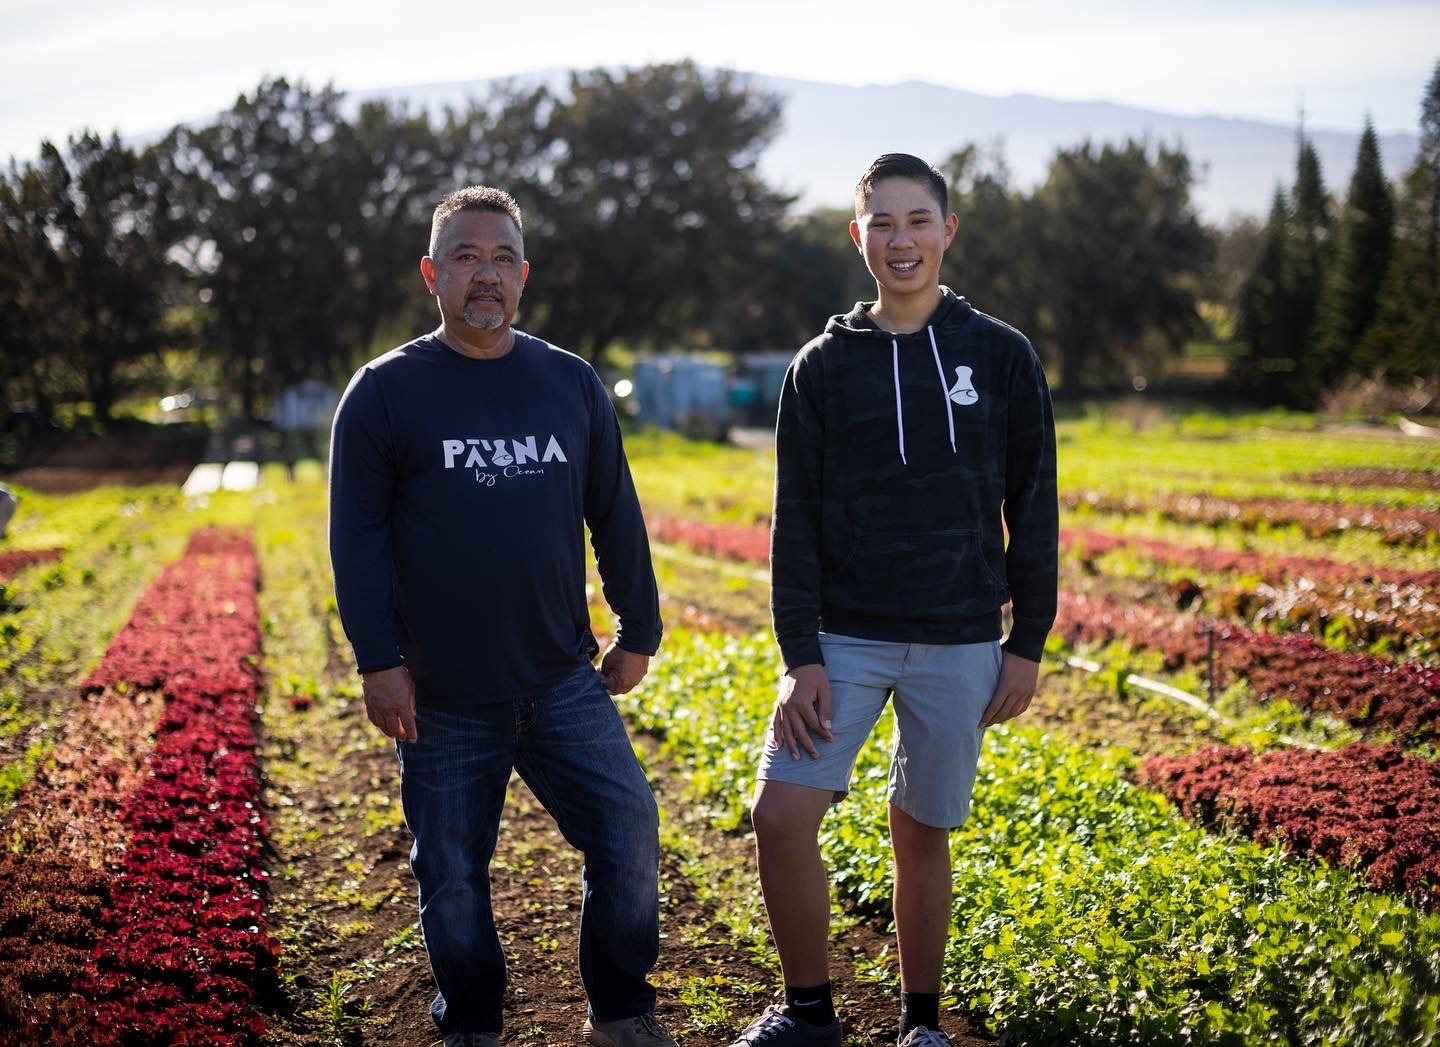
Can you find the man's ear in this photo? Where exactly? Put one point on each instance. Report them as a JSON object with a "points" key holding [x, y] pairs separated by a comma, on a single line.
{"points": [[855, 235], [427, 270], [524, 272]]}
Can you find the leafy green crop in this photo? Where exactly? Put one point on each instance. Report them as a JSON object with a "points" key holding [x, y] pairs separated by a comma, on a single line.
{"points": [[1086, 909]]}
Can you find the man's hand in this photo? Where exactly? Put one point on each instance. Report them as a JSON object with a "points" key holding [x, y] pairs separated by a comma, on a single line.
{"points": [[802, 709], [1013, 692], [621, 670], [390, 702]]}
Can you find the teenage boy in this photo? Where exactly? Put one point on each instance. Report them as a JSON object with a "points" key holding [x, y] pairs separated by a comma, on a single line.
{"points": [[913, 434]]}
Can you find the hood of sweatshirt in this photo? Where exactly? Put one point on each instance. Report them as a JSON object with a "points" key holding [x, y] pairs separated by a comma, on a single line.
{"points": [[952, 312]]}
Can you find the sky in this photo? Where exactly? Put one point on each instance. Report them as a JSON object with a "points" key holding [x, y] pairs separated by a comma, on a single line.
{"points": [[144, 65]]}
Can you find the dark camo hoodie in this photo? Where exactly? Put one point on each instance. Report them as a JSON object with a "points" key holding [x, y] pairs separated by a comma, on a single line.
{"points": [[902, 461]]}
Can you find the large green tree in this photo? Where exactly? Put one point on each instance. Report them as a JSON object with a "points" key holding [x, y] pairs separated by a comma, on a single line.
{"points": [[992, 260], [33, 303], [651, 208], [1363, 241], [86, 234], [1122, 252], [398, 166], [305, 220], [800, 275]]}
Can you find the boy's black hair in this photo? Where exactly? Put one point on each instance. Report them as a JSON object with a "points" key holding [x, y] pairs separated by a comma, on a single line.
{"points": [[902, 165]]}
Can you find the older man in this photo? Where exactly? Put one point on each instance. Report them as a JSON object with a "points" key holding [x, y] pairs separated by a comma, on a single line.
{"points": [[464, 467]]}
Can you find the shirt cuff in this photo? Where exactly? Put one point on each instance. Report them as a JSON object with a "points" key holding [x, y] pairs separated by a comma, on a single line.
{"points": [[1026, 640]]}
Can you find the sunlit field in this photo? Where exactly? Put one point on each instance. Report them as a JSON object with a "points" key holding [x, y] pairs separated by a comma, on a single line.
{"points": [[1219, 823]]}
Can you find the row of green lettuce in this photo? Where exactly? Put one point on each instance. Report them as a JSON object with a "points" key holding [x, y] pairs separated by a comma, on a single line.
{"points": [[1087, 910]]}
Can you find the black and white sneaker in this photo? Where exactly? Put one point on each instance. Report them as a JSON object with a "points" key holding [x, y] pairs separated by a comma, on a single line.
{"points": [[924, 1036]]}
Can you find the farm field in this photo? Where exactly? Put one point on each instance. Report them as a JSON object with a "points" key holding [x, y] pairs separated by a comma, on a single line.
{"points": [[1219, 823]]}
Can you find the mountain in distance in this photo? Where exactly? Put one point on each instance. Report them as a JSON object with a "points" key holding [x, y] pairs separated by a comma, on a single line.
{"points": [[831, 132]]}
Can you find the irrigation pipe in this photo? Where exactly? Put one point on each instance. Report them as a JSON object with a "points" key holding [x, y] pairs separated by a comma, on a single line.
{"points": [[1126, 679]]}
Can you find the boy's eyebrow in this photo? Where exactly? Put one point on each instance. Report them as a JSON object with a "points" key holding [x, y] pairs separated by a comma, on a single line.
{"points": [[913, 211]]}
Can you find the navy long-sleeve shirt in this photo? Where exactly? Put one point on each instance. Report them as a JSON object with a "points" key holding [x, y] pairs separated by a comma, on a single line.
{"points": [[459, 494]]}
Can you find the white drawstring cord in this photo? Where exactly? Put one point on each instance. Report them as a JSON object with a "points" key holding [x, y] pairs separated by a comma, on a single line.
{"points": [[944, 389], [899, 411]]}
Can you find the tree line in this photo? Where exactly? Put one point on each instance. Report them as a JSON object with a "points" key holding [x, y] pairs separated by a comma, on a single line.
{"points": [[279, 241], [1349, 287]]}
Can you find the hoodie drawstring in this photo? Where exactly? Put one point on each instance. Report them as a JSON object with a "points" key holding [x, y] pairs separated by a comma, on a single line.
{"points": [[944, 392], [899, 411], [944, 389]]}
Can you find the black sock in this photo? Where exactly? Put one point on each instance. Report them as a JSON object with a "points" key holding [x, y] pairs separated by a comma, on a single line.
{"points": [[814, 1006], [917, 1009]]}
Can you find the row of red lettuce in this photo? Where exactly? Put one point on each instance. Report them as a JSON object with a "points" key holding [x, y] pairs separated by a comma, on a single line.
{"points": [[165, 941]]}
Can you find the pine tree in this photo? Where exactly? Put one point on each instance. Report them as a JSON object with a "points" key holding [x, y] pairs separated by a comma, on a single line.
{"points": [[1429, 161], [1309, 262], [1363, 244], [1404, 340], [1264, 304]]}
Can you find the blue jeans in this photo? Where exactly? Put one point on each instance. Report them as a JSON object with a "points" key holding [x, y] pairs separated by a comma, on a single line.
{"points": [[570, 747]]}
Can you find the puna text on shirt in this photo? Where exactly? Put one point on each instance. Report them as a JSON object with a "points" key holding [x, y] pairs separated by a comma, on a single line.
{"points": [[517, 450]]}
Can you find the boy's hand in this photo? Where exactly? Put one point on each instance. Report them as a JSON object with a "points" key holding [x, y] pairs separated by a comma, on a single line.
{"points": [[621, 670], [1018, 677], [390, 702], [802, 709]]}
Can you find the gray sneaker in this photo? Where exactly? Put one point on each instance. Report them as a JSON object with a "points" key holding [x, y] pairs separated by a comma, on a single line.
{"points": [[644, 1031], [469, 1039], [924, 1036], [775, 1028]]}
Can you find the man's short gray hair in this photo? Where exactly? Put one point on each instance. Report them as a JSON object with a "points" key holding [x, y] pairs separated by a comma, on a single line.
{"points": [[473, 198]]}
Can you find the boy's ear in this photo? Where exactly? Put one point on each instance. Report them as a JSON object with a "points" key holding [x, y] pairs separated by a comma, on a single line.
{"points": [[952, 225], [855, 233]]}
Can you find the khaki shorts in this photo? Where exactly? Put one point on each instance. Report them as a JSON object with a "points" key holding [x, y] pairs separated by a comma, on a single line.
{"points": [[940, 690]]}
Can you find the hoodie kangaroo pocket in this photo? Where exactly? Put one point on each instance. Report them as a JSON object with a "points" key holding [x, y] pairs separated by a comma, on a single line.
{"points": [[920, 576]]}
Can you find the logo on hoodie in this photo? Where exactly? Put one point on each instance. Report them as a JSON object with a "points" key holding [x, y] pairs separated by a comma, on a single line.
{"points": [[963, 391]]}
